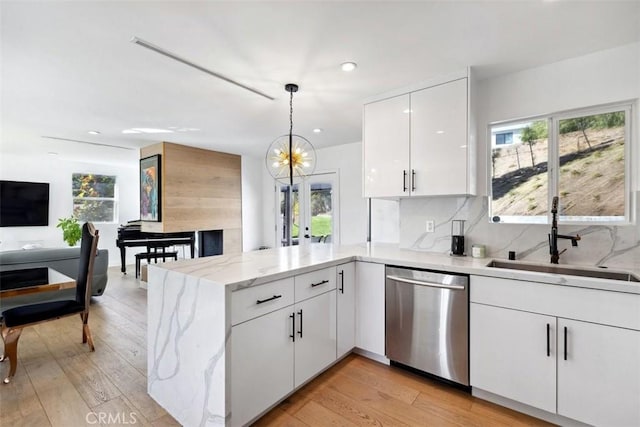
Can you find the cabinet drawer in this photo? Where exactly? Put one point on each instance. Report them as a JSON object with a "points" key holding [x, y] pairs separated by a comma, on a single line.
{"points": [[315, 283], [262, 299], [571, 302]]}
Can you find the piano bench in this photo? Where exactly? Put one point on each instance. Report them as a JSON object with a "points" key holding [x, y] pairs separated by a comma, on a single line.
{"points": [[153, 255]]}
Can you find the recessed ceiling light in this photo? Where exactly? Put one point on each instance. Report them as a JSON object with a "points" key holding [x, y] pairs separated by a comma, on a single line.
{"points": [[94, 132], [153, 130], [439, 132], [407, 111], [349, 66], [52, 153], [146, 130], [317, 130]]}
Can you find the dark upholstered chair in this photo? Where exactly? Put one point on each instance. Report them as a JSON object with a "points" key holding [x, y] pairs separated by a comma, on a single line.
{"points": [[15, 319]]}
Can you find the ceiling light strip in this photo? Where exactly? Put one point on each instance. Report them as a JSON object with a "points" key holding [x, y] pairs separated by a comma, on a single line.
{"points": [[175, 57], [87, 142]]}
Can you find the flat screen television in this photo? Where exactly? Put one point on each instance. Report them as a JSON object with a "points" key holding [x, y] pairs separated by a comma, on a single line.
{"points": [[24, 204]]}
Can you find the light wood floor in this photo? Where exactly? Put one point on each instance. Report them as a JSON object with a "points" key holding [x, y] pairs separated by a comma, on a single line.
{"points": [[60, 383]]}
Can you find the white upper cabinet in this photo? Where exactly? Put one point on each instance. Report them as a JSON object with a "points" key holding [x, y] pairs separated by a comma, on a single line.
{"points": [[386, 153], [439, 146], [420, 143]]}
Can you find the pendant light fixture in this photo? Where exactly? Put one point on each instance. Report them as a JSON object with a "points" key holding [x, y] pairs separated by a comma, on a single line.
{"points": [[290, 155]]}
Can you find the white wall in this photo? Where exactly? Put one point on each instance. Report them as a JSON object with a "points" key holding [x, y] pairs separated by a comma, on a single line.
{"points": [[252, 201], [606, 76], [57, 172], [347, 159], [602, 77]]}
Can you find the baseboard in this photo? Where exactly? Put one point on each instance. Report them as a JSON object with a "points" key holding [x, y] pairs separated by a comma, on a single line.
{"points": [[526, 409], [373, 356]]}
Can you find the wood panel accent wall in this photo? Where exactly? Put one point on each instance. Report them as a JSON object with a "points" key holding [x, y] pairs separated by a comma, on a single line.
{"points": [[201, 190]]}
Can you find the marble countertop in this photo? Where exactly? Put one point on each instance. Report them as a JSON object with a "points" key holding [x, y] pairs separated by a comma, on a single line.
{"points": [[253, 268]]}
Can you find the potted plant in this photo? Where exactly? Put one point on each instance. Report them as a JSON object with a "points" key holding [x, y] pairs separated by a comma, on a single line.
{"points": [[71, 231]]}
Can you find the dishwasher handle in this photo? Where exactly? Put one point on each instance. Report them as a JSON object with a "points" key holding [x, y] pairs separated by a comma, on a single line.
{"points": [[429, 284]]}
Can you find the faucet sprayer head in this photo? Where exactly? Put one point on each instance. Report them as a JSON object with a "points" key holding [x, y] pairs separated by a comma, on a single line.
{"points": [[554, 205]]}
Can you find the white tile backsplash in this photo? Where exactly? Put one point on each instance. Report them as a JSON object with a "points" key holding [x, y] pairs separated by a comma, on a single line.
{"points": [[612, 246]]}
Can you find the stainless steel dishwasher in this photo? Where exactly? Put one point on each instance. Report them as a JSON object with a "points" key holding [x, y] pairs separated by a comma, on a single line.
{"points": [[427, 322]]}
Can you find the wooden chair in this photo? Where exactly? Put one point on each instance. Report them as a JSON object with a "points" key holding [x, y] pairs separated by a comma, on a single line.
{"points": [[17, 318]]}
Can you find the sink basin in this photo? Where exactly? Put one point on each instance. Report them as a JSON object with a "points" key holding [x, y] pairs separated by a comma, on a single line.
{"points": [[568, 270]]}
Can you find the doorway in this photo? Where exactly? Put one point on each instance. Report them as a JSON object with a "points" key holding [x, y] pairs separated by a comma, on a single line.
{"points": [[314, 216]]}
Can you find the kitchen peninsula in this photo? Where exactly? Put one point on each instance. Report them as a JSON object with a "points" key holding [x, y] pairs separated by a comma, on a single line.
{"points": [[201, 312]]}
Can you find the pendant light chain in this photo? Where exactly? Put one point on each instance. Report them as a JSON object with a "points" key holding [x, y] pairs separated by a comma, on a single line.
{"points": [[290, 113], [291, 139]]}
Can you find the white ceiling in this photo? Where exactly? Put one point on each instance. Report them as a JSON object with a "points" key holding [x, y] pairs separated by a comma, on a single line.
{"points": [[69, 67]]}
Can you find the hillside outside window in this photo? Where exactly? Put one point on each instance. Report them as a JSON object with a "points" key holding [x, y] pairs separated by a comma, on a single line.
{"points": [[581, 156]]}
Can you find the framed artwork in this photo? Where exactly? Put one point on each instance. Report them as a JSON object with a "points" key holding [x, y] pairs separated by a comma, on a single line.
{"points": [[150, 189]]}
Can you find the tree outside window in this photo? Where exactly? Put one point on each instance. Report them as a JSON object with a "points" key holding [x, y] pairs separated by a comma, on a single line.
{"points": [[94, 197], [579, 156]]}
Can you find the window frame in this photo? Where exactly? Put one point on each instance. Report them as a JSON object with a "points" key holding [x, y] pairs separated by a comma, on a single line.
{"points": [[115, 198], [553, 169]]}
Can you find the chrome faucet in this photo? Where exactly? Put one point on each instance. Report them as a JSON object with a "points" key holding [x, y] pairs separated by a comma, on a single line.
{"points": [[554, 236]]}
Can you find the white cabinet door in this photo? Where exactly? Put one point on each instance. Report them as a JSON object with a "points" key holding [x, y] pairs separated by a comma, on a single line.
{"points": [[346, 296], [315, 346], [599, 382], [386, 147], [370, 326], [512, 356], [262, 364], [439, 143]]}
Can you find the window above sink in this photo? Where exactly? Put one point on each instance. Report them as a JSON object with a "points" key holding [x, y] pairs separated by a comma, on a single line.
{"points": [[583, 156]]}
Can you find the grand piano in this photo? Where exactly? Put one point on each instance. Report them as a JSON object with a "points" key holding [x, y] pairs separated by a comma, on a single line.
{"points": [[130, 235]]}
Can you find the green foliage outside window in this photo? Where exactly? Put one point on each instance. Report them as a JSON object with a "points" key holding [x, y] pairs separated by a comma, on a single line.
{"points": [[94, 197]]}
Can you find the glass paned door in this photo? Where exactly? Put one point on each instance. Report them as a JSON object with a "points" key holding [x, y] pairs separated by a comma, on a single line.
{"points": [[288, 220], [314, 211]]}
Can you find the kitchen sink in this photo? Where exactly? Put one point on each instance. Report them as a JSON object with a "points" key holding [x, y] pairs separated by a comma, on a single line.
{"points": [[568, 270]]}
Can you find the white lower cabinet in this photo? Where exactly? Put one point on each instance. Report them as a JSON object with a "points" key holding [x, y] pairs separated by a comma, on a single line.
{"points": [[346, 300], [509, 349], [370, 301], [599, 382], [586, 368], [315, 345], [277, 352], [262, 367]]}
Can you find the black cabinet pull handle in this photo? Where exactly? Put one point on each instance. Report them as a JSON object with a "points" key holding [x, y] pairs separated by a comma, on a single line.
{"points": [[260, 301], [565, 343], [548, 340], [292, 316], [413, 180], [300, 331], [341, 273], [404, 181], [313, 285]]}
